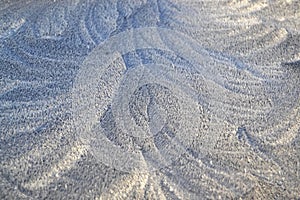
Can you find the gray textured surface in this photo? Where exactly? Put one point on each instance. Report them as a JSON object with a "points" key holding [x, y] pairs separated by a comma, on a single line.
{"points": [[149, 99]]}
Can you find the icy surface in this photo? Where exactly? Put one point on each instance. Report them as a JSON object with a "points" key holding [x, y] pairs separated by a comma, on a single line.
{"points": [[149, 99]]}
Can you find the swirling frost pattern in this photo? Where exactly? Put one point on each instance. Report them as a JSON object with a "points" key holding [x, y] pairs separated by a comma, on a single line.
{"points": [[149, 99]]}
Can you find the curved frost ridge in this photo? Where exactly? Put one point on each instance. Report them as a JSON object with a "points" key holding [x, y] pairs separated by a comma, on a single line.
{"points": [[88, 109], [8, 28], [148, 116]]}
